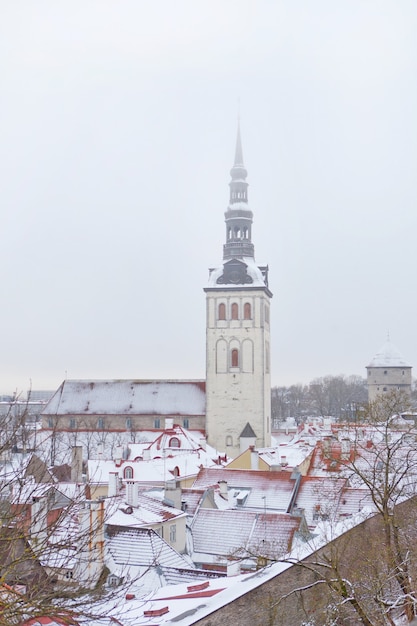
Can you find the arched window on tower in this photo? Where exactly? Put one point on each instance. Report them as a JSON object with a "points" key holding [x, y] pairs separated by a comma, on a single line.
{"points": [[235, 357], [247, 312], [222, 311], [235, 311]]}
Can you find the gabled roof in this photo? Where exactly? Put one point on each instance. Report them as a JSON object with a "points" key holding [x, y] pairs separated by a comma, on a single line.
{"points": [[143, 547], [223, 533], [148, 513], [271, 490], [128, 397]]}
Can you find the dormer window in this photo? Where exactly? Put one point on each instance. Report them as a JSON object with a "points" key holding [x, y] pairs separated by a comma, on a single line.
{"points": [[174, 442], [128, 473]]}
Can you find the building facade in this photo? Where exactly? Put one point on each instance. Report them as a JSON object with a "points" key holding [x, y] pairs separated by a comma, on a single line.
{"points": [[238, 379]]}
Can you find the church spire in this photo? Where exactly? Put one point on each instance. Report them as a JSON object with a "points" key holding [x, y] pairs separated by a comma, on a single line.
{"points": [[238, 151], [238, 216]]}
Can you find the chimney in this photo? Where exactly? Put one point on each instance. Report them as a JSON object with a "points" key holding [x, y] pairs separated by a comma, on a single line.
{"points": [[77, 464], [173, 494], [146, 454], [39, 521], [345, 449], [118, 455], [132, 493], [326, 445], [169, 423], [254, 458], [223, 489], [100, 451], [203, 443], [90, 553], [233, 568], [113, 484]]}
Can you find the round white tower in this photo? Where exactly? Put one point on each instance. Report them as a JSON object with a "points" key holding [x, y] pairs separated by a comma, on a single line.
{"points": [[388, 371]]}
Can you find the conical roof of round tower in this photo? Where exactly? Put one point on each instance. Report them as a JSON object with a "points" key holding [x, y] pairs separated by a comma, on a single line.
{"points": [[388, 356]]}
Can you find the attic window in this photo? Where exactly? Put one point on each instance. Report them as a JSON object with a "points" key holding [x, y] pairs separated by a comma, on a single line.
{"points": [[174, 442], [128, 473]]}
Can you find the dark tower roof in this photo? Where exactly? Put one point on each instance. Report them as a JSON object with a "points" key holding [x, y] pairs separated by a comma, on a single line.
{"points": [[248, 432]]}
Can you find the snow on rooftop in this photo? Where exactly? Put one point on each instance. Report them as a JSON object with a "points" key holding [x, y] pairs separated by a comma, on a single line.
{"points": [[388, 356], [128, 397], [253, 271], [271, 490]]}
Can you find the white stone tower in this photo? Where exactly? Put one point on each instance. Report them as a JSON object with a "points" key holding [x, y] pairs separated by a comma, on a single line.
{"points": [[238, 379], [388, 371]]}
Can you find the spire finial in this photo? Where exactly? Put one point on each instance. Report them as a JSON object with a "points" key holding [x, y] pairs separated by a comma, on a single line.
{"points": [[239, 151]]}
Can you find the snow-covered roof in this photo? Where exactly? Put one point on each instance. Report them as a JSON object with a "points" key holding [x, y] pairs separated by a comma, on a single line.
{"points": [[148, 513], [388, 356], [142, 547], [267, 490], [253, 271], [128, 397], [318, 497], [222, 533]]}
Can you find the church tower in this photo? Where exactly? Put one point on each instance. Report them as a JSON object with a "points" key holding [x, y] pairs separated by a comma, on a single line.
{"points": [[238, 379]]}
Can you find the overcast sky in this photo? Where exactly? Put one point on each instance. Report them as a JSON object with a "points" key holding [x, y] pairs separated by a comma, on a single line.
{"points": [[117, 128]]}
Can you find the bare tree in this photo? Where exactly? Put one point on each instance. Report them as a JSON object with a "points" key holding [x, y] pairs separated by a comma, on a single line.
{"points": [[51, 537]]}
